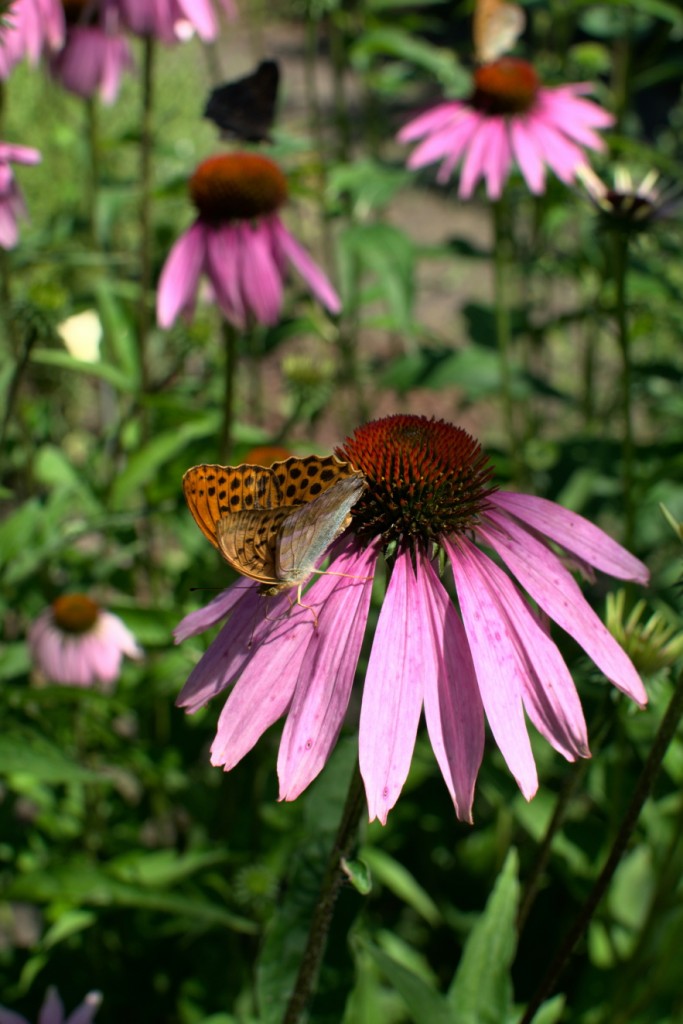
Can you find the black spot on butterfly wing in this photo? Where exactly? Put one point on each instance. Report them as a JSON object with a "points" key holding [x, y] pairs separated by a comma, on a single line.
{"points": [[245, 108]]}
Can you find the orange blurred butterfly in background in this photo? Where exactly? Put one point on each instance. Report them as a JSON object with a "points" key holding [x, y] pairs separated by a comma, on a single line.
{"points": [[273, 524], [497, 25]]}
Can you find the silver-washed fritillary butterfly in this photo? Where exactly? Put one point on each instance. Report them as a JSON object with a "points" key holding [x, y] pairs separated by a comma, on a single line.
{"points": [[273, 524], [497, 25]]}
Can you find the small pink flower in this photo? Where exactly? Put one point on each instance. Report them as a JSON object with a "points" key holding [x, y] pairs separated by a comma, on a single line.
{"points": [[52, 1010], [76, 643], [510, 117], [240, 243], [464, 647], [165, 19], [92, 61], [12, 205], [33, 27]]}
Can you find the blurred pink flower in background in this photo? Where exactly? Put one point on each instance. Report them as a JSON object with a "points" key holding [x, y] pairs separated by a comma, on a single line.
{"points": [[510, 118], [12, 205], [52, 1010], [166, 19], [95, 54], [76, 643], [33, 27], [488, 655], [240, 243]]}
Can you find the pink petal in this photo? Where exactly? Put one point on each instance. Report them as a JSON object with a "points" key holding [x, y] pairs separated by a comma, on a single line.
{"points": [[180, 276], [85, 1013], [327, 672], [200, 13], [574, 533], [476, 159], [527, 154], [434, 120], [19, 154], [225, 259], [302, 262], [554, 589], [453, 708], [261, 279], [202, 619], [392, 695], [561, 155], [52, 1010], [498, 158], [450, 142], [501, 673]]}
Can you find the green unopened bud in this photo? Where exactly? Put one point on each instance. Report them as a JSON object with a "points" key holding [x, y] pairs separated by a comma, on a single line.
{"points": [[652, 645]]}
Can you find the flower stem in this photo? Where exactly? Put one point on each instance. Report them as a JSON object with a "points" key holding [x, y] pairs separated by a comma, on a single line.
{"points": [[620, 271], [503, 332], [146, 145], [93, 165], [329, 890], [229, 367], [643, 788]]}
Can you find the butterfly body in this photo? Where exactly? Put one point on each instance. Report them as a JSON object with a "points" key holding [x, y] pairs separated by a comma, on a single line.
{"points": [[245, 108], [273, 524]]}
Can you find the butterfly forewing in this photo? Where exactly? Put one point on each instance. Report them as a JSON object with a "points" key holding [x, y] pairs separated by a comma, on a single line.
{"points": [[212, 492], [302, 480], [497, 26], [308, 531], [245, 108]]}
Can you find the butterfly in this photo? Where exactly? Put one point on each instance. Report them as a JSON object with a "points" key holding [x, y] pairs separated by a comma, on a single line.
{"points": [[497, 25], [273, 524], [245, 108]]}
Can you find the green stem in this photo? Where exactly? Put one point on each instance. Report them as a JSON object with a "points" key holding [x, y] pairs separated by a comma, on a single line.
{"points": [[665, 734], [93, 165], [627, 447], [146, 146], [229, 369], [322, 916], [503, 330], [30, 336]]}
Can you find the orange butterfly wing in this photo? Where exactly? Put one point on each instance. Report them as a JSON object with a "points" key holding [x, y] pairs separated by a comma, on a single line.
{"points": [[497, 25]]}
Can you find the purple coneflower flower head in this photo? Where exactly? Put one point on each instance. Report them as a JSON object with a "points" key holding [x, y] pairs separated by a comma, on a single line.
{"points": [[33, 27], [12, 205], [95, 54], [52, 1010], [239, 241], [76, 643], [464, 646], [628, 206], [510, 117], [165, 19]]}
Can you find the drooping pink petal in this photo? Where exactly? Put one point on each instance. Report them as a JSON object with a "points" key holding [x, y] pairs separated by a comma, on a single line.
{"points": [[574, 533], [498, 158], [261, 280], [571, 113], [393, 690], [477, 155], [327, 671], [303, 263], [52, 1010], [10, 1017], [527, 154], [19, 154], [554, 589], [201, 14], [449, 143], [265, 687], [561, 155], [453, 708], [202, 619], [548, 692], [179, 278], [85, 1013], [225, 261], [501, 674], [431, 121]]}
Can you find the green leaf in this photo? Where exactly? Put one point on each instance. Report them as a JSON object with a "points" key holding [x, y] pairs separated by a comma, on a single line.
{"points": [[104, 371], [147, 462], [359, 875], [481, 991], [120, 338], [67, 924], [395, 42], [402, 883], [426, 1005], [26, 753], [388, 254]]}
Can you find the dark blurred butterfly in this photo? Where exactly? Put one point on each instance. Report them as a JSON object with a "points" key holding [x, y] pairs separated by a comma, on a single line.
{"points": [[245, 108]]}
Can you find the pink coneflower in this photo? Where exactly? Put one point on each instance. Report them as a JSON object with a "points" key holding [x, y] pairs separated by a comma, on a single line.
{"points": [[167, 19], [52, 1010], [509, 117], [76, 643], [12, 205], [464, 645], [33, 27], [95, 53], [240, 243]]}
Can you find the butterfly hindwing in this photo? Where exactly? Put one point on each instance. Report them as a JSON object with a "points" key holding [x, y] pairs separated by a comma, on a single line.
{"points": [[247, 540], [245, 108]]}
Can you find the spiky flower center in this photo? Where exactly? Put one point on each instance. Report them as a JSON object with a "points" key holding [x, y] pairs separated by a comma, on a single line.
{"points": [[237, 186], [425, 478], [75, 613], [506, 86]]}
